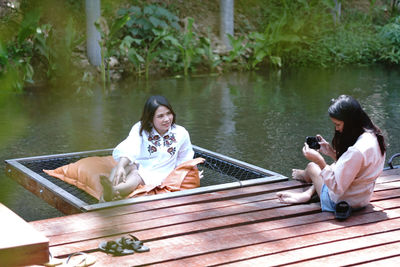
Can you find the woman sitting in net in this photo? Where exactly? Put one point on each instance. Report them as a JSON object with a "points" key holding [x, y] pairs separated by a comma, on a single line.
{"points": [[358, 149], [154, 148]]}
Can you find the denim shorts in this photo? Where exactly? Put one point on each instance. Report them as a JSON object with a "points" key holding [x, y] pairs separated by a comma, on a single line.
{"points": [[326, 203]]}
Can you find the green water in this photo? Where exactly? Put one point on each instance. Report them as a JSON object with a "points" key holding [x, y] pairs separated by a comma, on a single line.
{"points": [[260, 118]]}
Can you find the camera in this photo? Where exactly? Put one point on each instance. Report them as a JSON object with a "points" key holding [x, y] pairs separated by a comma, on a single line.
{"points": [[312, 142]]}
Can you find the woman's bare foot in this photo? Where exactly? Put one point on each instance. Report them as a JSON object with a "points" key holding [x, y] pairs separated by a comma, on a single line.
{"points": [[300, 175], [291, 198], [108, 190]]}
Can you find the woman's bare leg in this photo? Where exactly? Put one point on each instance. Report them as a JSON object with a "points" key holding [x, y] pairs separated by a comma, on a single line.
{"points": [[108, 189], [300, 175], [133, 180], [312, 172], [291, 198]]}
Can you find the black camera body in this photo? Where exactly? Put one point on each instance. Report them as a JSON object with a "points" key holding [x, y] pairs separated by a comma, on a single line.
{"points": [[312, 142]]}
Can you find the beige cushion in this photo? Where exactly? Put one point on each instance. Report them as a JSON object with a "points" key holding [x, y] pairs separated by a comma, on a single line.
{"points": [[85, 173]]}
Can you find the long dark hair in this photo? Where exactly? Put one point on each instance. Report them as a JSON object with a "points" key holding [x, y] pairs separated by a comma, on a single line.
{"points": [[345, 108], [150, 107]]}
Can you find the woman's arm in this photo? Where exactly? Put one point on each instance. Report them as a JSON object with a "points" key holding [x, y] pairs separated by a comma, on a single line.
{"points": [[326, 148], [314, 156], [130, 147], [185, 151], [339, 177]]}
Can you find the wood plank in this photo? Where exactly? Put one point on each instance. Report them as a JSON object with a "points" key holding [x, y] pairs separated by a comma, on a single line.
{"points": [[303, 255], [277, 247], [376, 255], [168, 207], [20, 243], [187, 223], [390, 261]]}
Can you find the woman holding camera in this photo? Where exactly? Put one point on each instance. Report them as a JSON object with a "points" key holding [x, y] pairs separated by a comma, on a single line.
{"points": [[358, 149]]}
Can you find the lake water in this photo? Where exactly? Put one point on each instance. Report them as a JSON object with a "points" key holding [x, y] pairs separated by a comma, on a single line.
{"points": [[261, 118]]}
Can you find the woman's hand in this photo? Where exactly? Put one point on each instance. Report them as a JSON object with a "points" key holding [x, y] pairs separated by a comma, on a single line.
{"points": [[120, 172], [119, 175], [314, 156], [326, 148]]}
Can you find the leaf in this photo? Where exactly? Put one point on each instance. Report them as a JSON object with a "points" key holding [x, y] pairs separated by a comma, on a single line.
{"points": [[276, 60], [118, 24], [148, 10], [28, 25], [137, 11], [155, 21]]}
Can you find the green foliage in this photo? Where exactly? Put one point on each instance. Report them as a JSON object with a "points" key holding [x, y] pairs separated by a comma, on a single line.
{"points": [[390, 37], [354, 43], [36, 45], [146, 34], [143, 21], [127, 49], [110, 42], [238, 54], [205, 50], [32, 51]]}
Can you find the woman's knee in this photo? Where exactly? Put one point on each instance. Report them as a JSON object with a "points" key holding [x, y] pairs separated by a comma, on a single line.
{"points": [[135, 178], [313, 169]]}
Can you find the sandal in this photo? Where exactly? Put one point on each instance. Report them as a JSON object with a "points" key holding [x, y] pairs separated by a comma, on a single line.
{"points": [[78, 259], [87, 260], [112, 247], [132, 243], [342, 210]]}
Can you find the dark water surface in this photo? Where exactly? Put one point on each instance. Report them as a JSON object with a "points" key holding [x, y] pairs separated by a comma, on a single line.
{"points": [[260, 118]]}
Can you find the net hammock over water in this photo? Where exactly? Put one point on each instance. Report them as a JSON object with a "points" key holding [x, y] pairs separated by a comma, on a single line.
{"points": [[216, 171]]}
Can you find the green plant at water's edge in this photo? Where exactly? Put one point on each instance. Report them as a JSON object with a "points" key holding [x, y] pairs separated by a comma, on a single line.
{"points": [[237, 56], [127, 49], [109, 43], [186, 46], [279, 38], [153, 50], [32, 52], [205, 51], [146, 34], [390, 38]]}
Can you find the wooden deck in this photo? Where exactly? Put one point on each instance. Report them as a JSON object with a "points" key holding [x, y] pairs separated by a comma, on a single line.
{"points": [[20, 243], [242, 226]]}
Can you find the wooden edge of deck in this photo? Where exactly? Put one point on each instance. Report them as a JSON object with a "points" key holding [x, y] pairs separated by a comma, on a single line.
{"points": [[20, 243], [43, 188]]}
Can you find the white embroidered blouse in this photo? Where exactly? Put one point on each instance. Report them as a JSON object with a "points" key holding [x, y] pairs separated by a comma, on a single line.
{"points": [[155, 155], [352, 177]]}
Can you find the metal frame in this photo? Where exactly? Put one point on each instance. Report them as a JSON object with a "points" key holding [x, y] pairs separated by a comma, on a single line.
{"points": [[69, 204]]}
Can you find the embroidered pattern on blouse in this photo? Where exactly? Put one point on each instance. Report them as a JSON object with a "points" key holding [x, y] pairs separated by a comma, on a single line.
{"points": [[169, 139], [155, 141], [171, 150]]}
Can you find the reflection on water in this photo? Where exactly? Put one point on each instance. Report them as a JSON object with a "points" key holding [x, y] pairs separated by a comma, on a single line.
{"points": [[260, 118]]}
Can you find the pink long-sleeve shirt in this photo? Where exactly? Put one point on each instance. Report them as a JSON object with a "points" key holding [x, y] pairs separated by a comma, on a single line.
{"points": [[352, 177]]}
